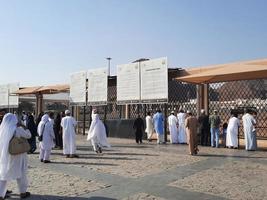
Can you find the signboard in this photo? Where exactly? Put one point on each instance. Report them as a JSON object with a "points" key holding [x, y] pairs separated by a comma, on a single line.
{"points": [[128, 83], [13, 99], [154, 81], [97, 87], [78, 88], [7, 98], [3, 96]]}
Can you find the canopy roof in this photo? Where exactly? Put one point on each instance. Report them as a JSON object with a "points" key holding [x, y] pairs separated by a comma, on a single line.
{"points": [[255, 69], [52, 89]]}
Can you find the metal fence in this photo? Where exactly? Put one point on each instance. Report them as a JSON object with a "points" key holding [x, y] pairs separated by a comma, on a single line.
{"points": [[238, 95]]}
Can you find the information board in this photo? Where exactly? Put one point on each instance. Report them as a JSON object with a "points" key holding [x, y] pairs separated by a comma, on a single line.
{"points": [[3, 96], [7, 97], [128, 83], [97, 86], [78, 88], [13, 98], [154, 81]]}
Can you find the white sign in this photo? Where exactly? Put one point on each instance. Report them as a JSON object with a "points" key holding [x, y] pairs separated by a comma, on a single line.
{"points": [[7, 98], [97, 86], [154, 81], [3, 96], [128, 83], [78, 88], [13, 98]]}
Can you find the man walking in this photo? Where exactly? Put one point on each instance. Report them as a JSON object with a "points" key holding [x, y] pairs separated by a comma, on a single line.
{"points": [[68, 125]]}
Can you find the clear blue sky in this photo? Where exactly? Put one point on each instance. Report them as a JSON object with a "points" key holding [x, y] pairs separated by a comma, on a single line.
{"points": [[43, 41]]}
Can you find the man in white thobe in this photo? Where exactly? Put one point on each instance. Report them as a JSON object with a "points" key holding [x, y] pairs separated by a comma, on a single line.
{"points": [[149, 126], [181, 129], [68, 125], [249, 131], [232, 131], [173, 123]]}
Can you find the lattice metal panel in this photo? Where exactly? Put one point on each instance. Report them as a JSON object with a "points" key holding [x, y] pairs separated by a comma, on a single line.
{"points": [[182, 96], [114, 111], [142, 109], [238, 95]]}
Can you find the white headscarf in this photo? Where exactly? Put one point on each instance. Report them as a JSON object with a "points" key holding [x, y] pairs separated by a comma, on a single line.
{"points": [[44, 120], [7, 130]]}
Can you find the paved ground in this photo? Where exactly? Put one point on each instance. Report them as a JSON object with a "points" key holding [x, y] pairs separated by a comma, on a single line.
{"points": [[149, 171]]}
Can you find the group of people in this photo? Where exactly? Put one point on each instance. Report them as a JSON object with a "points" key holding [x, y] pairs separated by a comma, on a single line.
{"points": [[14, 167], [211, 125], [155, 123], [249, 123], [184, 128]]}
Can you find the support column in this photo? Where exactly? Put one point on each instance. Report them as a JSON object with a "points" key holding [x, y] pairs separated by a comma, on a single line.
{"points": [[39, 103], [199, 98], [127, 111], [203, 98], [206, 98]]}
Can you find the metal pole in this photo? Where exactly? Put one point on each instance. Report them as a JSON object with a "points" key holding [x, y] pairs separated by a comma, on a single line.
{"points": [[238, 138], [90, 115], [84, 107], [165, 123], [8, 100], [105, 113], [84, 118], [108, 58]]}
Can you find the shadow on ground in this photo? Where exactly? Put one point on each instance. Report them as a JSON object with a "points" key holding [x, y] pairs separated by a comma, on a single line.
{"points": [[229, 156], [51, 197]]}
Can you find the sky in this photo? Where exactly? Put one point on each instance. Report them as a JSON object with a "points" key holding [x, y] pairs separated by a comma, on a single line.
{"points": [[43, 41]]}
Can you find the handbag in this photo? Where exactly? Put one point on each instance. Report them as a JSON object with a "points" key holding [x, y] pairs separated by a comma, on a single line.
{"points": [[18, 145], [40, 137]]}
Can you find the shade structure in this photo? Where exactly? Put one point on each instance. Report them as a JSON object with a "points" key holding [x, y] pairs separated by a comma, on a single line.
{"points": [[28, 90], [248, 70], [52, 89]]}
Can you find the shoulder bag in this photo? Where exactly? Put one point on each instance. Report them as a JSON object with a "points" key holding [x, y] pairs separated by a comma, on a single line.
{"points": [[18, 145]]}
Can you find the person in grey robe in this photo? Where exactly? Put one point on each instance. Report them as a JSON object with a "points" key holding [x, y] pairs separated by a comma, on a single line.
{"points": [[249, 123]]}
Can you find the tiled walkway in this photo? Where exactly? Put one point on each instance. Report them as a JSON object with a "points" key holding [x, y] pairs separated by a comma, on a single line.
{"points": [[149, 171]]}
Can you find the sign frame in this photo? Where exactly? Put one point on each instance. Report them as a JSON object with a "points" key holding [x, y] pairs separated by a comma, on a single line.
{"points": [[95, 72], [73, 77]]}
